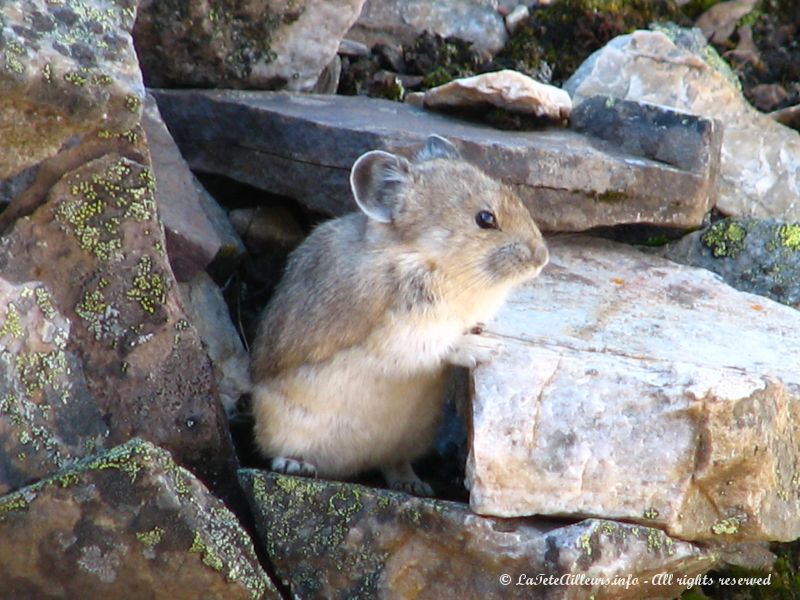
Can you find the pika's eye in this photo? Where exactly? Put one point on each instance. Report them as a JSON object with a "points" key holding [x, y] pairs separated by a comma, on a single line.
{"points": [[486, 220]]}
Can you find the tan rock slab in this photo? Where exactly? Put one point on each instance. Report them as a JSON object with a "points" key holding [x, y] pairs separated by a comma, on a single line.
{"points": [[633, 388], [505, 89]]}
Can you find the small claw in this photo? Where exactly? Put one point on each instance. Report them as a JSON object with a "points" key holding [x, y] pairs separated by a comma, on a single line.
{"points": [[293, 466]]}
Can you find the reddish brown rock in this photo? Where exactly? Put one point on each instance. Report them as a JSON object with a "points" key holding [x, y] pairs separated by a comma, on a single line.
{"points": [[127, 524], [97, 249]]}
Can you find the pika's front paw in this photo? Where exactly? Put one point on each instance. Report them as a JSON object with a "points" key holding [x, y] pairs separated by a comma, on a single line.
{"points": [[293, 466], [415, 488], [401, 477], [474, 349]]}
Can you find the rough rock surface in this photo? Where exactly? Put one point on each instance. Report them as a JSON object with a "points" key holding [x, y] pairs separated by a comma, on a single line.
{"points": [[206, 309], [399, 23], [303, 147], [761, 257], [633, 388], [505, 89], [66, 69], [197, 229], [240, 44], [760, 163], [336, 540], [107, 314], [127, 524]]}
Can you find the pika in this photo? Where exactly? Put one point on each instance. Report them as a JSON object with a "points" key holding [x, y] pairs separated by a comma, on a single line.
{"points": [[352, 353]]}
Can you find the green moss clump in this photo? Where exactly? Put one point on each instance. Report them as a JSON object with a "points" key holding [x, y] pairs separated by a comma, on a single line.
{"points": [[565, 33], [725, 239], [440, 60]]}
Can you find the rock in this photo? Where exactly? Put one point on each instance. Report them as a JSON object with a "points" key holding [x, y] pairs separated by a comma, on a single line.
{"points": [[197, 229], [760, 163], [41, 385], [636, 389], [505, 89], [789, 116], [210, 316], [767, 96], [516, 17], [67, 69], [330, 539], [388, 21], [268, 226], [127, 524], [108, 314], [303, 147], [239, 44], [761, 257], [719, 22]]}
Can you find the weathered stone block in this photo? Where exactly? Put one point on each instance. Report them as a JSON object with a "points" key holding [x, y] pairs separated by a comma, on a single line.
{"points": [[336, 540], [66, 68], [633, 388], [126, 524], [197, 229], [112, 354], [303, 147], [760, 160], [240, 44]]}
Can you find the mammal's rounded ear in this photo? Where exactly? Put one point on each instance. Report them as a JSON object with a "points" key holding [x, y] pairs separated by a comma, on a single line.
{"points": [[438, 147], [375, 180]]}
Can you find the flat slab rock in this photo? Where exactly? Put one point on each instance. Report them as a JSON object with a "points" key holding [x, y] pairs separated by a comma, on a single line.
{"points": [[303, 146], [634, 388], [337, 540], [126, 524]]}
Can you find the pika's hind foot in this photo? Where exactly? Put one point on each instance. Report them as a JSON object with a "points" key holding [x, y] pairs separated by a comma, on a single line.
{"points": [[293, 466], [401, 477]]}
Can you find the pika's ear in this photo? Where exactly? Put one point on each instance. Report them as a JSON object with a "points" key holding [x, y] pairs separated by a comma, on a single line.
{"points": [[438, 147], [376, 179]]}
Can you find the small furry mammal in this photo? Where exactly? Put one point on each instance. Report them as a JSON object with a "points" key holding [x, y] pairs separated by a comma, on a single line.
{"points": [[352, 353]]}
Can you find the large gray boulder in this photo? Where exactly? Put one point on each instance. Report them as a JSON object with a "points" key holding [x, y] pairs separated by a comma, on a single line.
{"points": [[760, 163]]}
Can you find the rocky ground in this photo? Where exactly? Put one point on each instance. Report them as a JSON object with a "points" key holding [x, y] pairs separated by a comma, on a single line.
{"points": [[637, 436]]}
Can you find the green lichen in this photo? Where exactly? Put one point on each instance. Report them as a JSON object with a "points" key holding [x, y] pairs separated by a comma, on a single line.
{"points": [[149, 286], [152, 537], [209, 557], [12, 502], [729, 526], [788, 236], [12, 325], [725, 239], [84, 213], [39, 370], [45, 302], [585, 544], [651, 513], [608, 528]]}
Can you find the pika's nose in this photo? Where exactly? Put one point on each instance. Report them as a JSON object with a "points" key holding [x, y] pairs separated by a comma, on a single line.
{"points": [[540, 254]]}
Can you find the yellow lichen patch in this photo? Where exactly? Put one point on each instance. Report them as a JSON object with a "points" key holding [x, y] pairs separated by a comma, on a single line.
{"points": [[11, 325], [149, 286]]}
